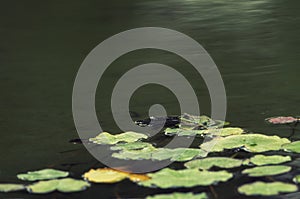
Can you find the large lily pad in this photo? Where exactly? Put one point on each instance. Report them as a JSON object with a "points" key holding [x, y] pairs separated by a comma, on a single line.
{"points": [[177, 195], [266, 188], [107, 138], [249, 142], [271, 159], [44, 174], [292, 147], [177, 154], [208, 132], [132, 146], [11, 187], [169, 178], [63, 185], [267, 170], [207, 163], [106, 175]]}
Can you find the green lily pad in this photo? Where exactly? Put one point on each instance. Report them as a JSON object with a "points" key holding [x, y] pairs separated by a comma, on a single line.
{"points": [[177, 195], [267, 170], [107, 138], [132, 146], [249, 142], [266, 188], [271, 159], [207, 163], [177, 154], [188, 121], [11, 187], [63, 185], [44, 174], [296, 179], [183, 132], [169, 178], [209, 132], [292, 147]]}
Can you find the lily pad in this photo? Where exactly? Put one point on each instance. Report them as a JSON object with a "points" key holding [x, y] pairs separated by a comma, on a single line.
{"points": [[177, 154], [11, 187], [271, 159], [207, 163], [169, 178], [44, 174], [63, 185], [296, 179], [132, 146], [106, 175], [292, 147], [267, 170], [267, 188], [177, 195], [107, 138], [183, 132], [249, 142], [209, 132], [282, 120], [188, 121]]}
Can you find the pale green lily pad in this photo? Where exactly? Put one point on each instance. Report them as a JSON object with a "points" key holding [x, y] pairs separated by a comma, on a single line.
{"points": [[177, 154], [188, 121], [208, 132], [132, 146], [292, 147], [183, 132], [271, 159], [207, 163], [267, 170], [107, 138], [11, 187], [169, 178], [267, 188], [63, 185], [249, 142], [44, 174], [178, 195], [296, 179]]}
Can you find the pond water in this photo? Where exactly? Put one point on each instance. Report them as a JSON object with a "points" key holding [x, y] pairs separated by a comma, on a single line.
{"points": [[255, 44]]}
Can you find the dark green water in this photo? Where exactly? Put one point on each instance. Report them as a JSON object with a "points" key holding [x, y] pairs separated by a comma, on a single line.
{"points": [[255, 44]]}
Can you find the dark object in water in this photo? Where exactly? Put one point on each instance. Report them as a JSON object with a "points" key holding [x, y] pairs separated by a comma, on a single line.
{"points": [[169, 121], [76, 141]]}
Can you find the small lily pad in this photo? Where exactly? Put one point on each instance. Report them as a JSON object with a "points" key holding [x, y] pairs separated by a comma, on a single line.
{"points": [[267, 188], [132, 146], [296, 179], [292, 147], [63, 185], [105, 175], [267, 170], [177, 195], [249, 142], [188, 121], [169, 178], [282, 120], [107, 138], [207, 163], [271, 159], [11, 187], [44, 174]]}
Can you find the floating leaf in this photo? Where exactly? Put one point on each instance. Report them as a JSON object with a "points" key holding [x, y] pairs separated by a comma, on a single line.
{"points": [[292, 147], [188, 121], [249, 142], [11, 187], [267, 170], [296, 179], [44, 174], [207, 163], [62, 185], [209, 132], [272, 159], [132, 146], [105, 175], [177, 195], [177, 154], [282, 120], [183, 132], [169, 178], [107, 138], [266, 188]]}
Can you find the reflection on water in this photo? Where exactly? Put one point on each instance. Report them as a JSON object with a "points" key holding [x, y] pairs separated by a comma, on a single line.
{"points": [[255, 44]]}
